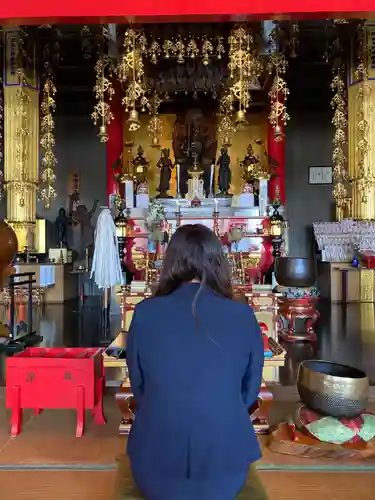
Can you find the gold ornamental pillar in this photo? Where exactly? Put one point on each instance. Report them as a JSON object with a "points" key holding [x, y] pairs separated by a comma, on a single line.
{"points": [[21, 138], [361, 128]]}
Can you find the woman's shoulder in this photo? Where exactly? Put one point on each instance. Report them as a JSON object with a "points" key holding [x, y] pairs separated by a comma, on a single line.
{"points": [[239, 307], [150, 303]]}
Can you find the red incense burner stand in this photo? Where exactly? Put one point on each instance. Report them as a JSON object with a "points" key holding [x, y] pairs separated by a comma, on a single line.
{"points": [[55, 378]]}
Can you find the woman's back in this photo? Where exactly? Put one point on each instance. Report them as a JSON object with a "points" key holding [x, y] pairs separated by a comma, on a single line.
{"points": [[182, 351], [195, 360]]}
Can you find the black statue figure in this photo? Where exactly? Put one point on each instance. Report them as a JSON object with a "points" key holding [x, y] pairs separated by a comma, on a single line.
{"points": [[61, 226], [225, 175], [166, 166], [82, 216], [140, 167]]}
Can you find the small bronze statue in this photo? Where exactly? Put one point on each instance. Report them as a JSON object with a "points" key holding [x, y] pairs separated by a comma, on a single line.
{"points": [[140, 167], [61, 225], [166, 166], [225, 174], [82, 216]]}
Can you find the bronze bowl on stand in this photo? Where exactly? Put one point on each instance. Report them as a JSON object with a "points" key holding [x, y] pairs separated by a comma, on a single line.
{"points": [[295, 272], [332, 389]]}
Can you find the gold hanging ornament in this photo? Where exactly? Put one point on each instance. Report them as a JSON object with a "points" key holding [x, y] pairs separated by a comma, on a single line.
{"points": [[104, 92], [340, 121], [278, 93], [131, 73], [245, 69], [21, 180], [192, 49], [294, 41], [179, 50], [226, 126], [207, 51], [155, 125], [154, 51], [220, 49], [47, 143], [364, 179]]}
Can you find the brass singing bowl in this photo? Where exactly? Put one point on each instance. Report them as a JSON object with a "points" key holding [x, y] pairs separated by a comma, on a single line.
{"points": [[332, 389], [295, 272]]}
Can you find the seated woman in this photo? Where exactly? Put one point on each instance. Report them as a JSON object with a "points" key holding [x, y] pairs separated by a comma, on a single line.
{"points": [[195, 358]]}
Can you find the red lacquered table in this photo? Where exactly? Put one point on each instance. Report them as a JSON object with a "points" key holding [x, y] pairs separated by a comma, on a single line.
{"points": [[55, 378]]}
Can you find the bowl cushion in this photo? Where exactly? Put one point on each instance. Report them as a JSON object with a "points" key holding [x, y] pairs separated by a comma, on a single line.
{"points": [[336, 430]]}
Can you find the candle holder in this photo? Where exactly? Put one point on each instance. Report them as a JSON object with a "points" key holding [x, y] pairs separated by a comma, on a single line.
{"points": [[216, 226], [212, 177], [178, 219], [178, 178]]}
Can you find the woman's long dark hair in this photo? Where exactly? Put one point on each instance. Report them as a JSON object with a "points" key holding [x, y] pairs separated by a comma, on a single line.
{"points": [[195, 253]]}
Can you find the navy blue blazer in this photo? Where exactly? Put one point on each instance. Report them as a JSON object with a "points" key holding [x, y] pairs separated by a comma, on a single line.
{"points": [[193, 379]]}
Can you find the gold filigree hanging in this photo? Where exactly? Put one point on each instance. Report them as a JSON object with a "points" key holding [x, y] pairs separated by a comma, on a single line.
{"points": [[155, 125], [364, 177], [47, 142], [154, 51], [278, 93], [179, 50], [245, 68], [104, 92], [21, 180], [294, 41], [220, 49], [131, 73], [226, 126], [340, 121], [207, 51]]}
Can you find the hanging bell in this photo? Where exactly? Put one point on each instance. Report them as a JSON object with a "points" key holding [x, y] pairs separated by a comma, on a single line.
{"points": [[227, 141], [103, 133], [133, 121], [278, 133], [155, 142], [241, 117]]}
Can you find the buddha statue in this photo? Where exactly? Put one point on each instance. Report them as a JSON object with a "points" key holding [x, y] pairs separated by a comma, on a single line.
{"points": [[225, 174], [166, 166], [250, 165], [140, 167]]}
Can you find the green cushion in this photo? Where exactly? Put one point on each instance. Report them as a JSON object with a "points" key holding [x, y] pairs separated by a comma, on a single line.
{"points": [[126, 489]]}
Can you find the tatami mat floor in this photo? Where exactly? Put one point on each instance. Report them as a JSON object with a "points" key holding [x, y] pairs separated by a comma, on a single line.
{"points": [[100, 486], [49, 441]]}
